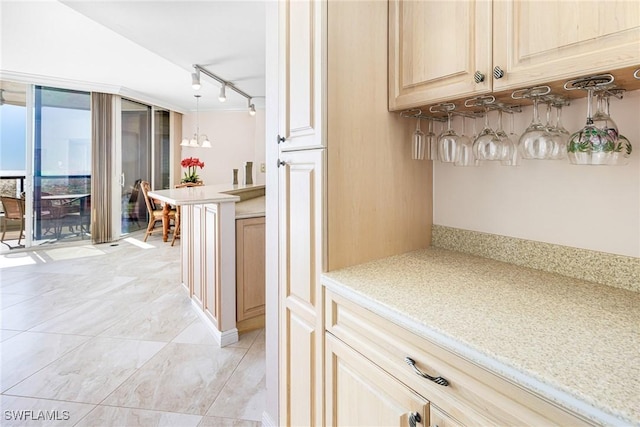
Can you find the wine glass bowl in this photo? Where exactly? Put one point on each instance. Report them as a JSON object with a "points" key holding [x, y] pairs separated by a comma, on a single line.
{"points": [[448, 143], [535, 142]]}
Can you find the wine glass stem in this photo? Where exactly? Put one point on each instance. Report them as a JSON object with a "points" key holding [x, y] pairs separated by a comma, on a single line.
{"points": [[463, 127], [559, 116], [511, 124], [589, 100], [449, 121], [486, 117], [499, 120], [536, 119]]}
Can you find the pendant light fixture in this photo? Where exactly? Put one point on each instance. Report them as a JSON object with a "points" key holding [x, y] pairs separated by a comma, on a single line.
{"points": [[195, 141], [252, 108]]}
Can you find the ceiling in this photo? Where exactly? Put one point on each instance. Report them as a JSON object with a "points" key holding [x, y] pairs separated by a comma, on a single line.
{"points": [[140, 49]]}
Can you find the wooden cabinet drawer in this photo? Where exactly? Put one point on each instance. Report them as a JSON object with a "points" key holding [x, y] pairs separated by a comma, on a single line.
{"points": [[474, 395]]}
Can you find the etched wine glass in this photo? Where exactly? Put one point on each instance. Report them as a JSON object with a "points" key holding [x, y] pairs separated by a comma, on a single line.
{"points": [[418, 143], [620, 151], [448, 143], [590, 145], [535, 142]]}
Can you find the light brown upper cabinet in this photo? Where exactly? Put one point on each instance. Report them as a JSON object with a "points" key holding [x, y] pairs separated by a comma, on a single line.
{"points": [[435, 47], [537, 42]]}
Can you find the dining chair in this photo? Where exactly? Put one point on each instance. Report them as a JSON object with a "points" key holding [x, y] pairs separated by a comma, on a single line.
{"points": [[13, 211], [155, 211], [176, 231]]}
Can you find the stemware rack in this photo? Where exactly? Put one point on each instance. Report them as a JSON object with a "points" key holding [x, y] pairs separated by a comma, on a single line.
{"points": [[601, 85]]}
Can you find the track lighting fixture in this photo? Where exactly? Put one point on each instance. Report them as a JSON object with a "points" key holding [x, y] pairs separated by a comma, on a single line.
{"points": [[195, 141], [222, 96], [195, 80]]}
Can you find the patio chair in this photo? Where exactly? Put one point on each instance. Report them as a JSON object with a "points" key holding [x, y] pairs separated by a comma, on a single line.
{"points": [[13, 211]]}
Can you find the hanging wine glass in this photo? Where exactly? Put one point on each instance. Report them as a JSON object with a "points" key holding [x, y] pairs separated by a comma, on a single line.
{"points": [[448, 143], [512, 154], [464, 154], [487, 145], [509, 147], [559, 135], [621, 149], [431, 143], [535, 142], [590, 145], [418, 143]]}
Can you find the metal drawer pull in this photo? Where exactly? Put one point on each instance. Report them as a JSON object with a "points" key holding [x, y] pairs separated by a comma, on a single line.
{"points": [[414, 418], [437, 380]]}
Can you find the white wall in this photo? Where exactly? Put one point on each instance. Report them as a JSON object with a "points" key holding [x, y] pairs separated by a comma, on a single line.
{"points": [[236, 137], [590, 207]]}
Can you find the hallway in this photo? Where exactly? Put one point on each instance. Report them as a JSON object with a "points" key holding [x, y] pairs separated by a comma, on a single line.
{"points": [[105, 336]]}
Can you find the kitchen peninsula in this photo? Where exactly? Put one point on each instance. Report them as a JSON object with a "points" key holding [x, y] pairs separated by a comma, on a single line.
{"points": [[208, 248]]}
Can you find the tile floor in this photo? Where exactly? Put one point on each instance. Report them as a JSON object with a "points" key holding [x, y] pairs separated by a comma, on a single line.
{"points": [[106, 336]]}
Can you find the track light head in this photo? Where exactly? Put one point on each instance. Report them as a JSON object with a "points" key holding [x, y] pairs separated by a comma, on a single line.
{"points": [[223, 96], [195, 80], [252, 108]]}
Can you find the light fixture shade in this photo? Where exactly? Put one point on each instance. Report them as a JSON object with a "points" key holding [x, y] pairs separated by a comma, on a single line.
{"points": [[185, 142], [194, 142], [252, 110], [195, 80], [206, 143], [223, 95]]}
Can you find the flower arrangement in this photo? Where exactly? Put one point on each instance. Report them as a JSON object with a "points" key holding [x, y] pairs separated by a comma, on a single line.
{"points": [[191, 163]]}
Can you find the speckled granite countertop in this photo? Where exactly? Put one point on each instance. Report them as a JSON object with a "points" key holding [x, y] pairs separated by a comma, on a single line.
{"points": [[572, 341]]}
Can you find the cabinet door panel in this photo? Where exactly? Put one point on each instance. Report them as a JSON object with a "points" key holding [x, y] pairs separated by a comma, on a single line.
{"points": [[197, 272], [211, 268], [250, 267], [301, 73], [359, 393], [537, 42], [301, 309], [435, 48]]}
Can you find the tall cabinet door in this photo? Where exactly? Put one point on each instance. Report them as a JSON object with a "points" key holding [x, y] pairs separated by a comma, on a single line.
{"points": [[540, 41], [301, 312], [301, 72], [435, 49]]}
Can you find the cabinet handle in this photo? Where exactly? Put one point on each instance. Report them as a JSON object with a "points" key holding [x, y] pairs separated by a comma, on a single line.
{"points": [[438, 380], [414, 418], [478, 77], [281, 163], [498, 73], [281, 139]]}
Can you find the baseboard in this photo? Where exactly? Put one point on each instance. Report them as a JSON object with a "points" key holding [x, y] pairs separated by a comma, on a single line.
{"points": [[225, 338]]}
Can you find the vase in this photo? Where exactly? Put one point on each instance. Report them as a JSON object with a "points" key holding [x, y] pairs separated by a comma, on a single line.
{"points": [[248, 173]]}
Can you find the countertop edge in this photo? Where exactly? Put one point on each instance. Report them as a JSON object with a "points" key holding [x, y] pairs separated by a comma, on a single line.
{"points": [[509, 373]]}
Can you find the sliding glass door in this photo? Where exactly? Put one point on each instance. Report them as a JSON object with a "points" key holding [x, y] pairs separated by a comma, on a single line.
{"points": [[135, 163], [62, 164]]}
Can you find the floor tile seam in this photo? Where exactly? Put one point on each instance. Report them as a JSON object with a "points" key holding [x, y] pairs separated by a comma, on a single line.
{"points": [[48, 364], [149, 409], [134, 372], [46, 320], [48, 399], [110, 323], [226, 381]]}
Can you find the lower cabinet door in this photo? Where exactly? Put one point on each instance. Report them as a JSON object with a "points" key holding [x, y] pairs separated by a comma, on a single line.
{"points": [[359, 393]]}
